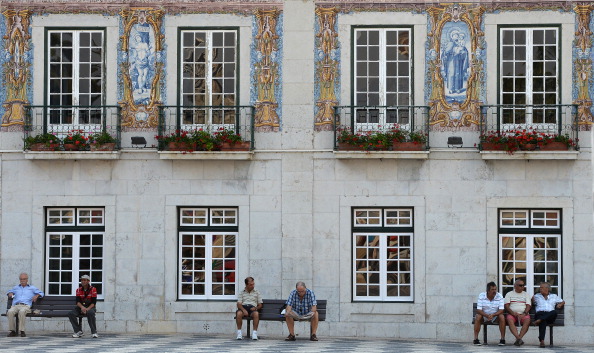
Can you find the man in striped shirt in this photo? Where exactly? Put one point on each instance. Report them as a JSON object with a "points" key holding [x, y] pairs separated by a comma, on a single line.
{"points": [[489, 307]]}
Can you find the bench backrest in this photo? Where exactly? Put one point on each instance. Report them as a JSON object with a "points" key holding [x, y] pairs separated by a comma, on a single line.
{"points": [[271, 309], [560, 321], [52, 305]]}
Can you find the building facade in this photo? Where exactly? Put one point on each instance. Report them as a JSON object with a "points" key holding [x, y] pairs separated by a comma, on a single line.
{"points": [[400, 243]]}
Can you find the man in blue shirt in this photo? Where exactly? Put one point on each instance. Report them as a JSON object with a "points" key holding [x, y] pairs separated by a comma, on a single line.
{"points": [[23, 296], [301, 305]]}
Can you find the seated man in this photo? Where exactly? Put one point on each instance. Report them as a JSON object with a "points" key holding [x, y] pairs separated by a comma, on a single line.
{"points": [[86, 301], [249, 302], [546, 313], [517, 305], [23, 296], [301, 305], [489, 307]]}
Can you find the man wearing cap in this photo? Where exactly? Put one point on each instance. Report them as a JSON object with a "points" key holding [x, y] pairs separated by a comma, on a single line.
{"points": [[23, 295], [86, 300]]}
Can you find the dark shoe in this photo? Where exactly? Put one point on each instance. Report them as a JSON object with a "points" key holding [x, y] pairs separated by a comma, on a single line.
{"points": [[502, 342], [23, 334], [313, 338], [517, 342], [542, 345], [290, 338], [12, 334], [476, 342], [521, 342]]}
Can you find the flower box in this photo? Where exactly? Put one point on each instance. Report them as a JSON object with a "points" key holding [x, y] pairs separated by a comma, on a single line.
{"points": [[407, 146], [491, 146], [554, 146], [527, 146], [181, 146], [73, 147], [43, 147], [236, 146], [345, 146], [110, 146]]}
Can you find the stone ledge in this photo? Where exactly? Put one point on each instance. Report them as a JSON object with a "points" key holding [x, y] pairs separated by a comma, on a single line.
{"points": [[381, 154], [59, 155], [218, 155], [541, 155]]}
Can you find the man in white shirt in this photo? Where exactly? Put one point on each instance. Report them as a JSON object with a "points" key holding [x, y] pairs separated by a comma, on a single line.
{"points": [[489, 307], [517, 305], [546, 304]]}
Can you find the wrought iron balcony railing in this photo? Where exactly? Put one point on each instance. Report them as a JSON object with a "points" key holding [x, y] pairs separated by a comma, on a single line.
{"points": [[374, 120], [212, 119], [62, 121], [552, 119]]}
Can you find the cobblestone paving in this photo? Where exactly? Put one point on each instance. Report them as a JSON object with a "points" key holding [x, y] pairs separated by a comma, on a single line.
{"points": [[63, 343]]}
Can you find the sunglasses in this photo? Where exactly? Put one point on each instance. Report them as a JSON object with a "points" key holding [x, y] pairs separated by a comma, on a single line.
{"points": [[520, 285]]}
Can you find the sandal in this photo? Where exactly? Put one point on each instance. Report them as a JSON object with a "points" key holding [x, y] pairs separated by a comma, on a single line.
{"points": [[290, 338]]}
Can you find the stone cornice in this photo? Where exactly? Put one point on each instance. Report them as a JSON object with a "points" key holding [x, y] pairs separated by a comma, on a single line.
{"points": [[171, 6]]}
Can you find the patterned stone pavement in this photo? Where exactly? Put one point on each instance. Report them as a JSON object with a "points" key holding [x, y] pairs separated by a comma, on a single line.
{"points": [[63, 343]]}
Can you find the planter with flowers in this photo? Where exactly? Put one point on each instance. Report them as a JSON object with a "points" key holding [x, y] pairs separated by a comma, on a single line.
{"points": [[102, 141], [230, 140], [181, 141], [368, 141], [349, 141], [527, 140], [204, 141], [556, 143], [409, 141], [75, 141], [42, 142]]}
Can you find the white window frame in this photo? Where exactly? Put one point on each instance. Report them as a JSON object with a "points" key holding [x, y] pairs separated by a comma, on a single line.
{"points": [[69, 219], [63, 128], [401, 116], [228, 116], [382, 234], [529, 92], [208, 230], [526, 265]]}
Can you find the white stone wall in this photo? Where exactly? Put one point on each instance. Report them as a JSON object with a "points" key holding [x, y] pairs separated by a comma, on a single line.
{"points": [[294, 200]]}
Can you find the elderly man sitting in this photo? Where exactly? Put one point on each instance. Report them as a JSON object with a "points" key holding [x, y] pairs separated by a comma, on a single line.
{"points": [[546, 313]]}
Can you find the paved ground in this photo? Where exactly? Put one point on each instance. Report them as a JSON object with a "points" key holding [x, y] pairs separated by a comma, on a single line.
{"points": [[63, 343]]}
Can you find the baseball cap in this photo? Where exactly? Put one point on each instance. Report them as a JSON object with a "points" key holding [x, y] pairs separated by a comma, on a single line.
{"points": [[85, 277]]}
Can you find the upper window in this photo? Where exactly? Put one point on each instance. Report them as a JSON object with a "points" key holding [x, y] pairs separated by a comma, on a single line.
{"points": [[207, 253], [75, 75], [530, 248], [382, 254], [208, 77], [529, 75], [382, 76], [74, 247]]}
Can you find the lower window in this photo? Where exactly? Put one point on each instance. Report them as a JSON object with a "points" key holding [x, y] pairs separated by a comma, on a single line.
{"points": [[382, 253], [530, 249], [74, 247], [207, 253]]}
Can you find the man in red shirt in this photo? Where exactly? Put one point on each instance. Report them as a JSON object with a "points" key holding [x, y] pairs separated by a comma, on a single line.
{"points": [[86, 300]]}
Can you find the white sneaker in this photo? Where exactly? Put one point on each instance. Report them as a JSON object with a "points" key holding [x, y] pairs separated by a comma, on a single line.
{"points": [[255, 336], [95, 335], [239, 336], [79, 334]]}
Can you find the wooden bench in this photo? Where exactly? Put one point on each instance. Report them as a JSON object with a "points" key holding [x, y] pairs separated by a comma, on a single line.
{"points": [[271, 311], [560, 321], [49, 306]]}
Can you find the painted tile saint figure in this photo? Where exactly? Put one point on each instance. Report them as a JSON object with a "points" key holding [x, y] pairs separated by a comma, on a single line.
{"points": [[142, 59], [455, 62]]}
